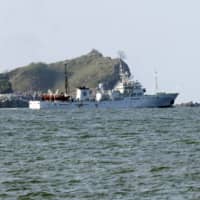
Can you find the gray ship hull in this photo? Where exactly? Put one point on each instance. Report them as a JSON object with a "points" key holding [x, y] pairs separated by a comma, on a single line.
{"points": [[146, 101], [159, 100]]}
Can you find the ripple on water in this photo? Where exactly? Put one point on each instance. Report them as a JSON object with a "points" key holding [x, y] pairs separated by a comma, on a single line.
{"points": [[100, 154]]}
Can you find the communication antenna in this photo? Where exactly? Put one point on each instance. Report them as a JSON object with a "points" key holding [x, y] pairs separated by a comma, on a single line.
{"points": [[156, 80], [66, 80]]}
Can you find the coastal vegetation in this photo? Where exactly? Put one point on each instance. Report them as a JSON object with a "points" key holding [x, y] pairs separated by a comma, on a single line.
{"points": [[5, 85]]}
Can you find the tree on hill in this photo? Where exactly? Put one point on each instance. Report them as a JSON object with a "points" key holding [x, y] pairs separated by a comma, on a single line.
{"points": [[5, 85]]}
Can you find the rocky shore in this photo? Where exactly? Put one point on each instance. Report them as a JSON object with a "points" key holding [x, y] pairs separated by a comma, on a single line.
{"points": [[189, 104]]}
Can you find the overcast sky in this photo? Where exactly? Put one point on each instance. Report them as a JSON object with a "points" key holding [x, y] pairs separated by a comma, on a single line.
{"points": [[162, 35]]}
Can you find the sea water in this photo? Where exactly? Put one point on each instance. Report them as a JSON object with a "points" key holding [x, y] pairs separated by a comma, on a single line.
{"points": [[100, 154]]}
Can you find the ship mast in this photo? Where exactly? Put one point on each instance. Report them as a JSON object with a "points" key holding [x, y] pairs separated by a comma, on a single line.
{"points": [[122, 75], [66, 80], [156, 81]]}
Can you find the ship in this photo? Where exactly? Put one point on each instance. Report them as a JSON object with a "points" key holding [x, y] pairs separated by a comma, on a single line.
{"points": [[127, 93]]}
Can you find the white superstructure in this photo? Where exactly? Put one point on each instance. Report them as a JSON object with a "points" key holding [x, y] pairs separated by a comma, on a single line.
{"points": [[83, 94]]}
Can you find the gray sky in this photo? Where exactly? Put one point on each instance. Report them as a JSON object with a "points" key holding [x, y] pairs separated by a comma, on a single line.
{"points": [[162, 35]]}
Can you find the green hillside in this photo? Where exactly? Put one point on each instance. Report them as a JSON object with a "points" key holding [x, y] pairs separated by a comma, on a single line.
{"points": [[5, 85], [87, 70]]}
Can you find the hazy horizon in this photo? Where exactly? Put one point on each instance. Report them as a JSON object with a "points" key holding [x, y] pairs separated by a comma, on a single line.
{"points": [[155, 35]]}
